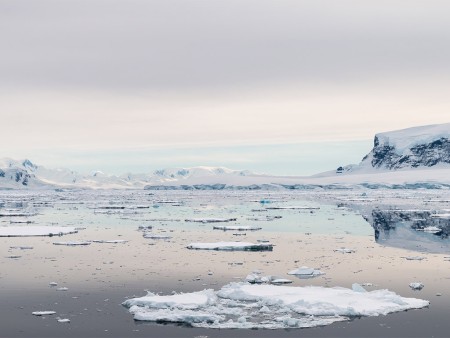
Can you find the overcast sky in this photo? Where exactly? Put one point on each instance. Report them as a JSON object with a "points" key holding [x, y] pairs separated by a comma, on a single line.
{"points": [[288, 87]]}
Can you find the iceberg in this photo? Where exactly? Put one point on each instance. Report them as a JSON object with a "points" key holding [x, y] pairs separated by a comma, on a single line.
{"points": [[252, 306]]}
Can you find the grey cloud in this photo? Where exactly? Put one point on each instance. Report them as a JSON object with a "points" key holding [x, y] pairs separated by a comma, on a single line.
{"points": [[202, 44]]}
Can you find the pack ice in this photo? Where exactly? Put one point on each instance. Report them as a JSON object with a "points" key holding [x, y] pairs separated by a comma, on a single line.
{"points": [[35, 230], [251, 306]]}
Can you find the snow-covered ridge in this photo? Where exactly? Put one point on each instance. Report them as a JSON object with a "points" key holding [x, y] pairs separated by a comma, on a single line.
{"points": [[19, 174], [411, 158], [425, 146]]}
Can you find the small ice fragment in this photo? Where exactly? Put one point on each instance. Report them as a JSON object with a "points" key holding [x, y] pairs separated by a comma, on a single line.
{"points": [[305, 272], [73, 243], [358, 288], [63, 320], [413, 258], [155, 236], [431, 229], [278, 281], [210, 220], [25, 231], [53, 284], [236, 228], [62, 289], [416, 286], [113, 241], [231, 246], [43, 313], [344, 250]]}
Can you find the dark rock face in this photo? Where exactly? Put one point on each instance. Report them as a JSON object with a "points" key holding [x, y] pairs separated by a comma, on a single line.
{"points": [[422, 155]]}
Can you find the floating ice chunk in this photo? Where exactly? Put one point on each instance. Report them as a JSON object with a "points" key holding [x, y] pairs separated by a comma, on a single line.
{"points": [[113, 241], [210, 220], [16, 213], [236, 227], [63, 320], [43, 313], [344, 250], [416, 286], [73, 243], [279, 281], [305, 272], [144, 227], [21, 220], [53, 284], [358, 288], [62, 289], [414, 258], [155, 236], [242, 305], [174, 316], [444, 216], [256, 278], [293, 208], [431, 229], [267, 218], [35, 230], [232, 246], [185, 301], [22, 247]]}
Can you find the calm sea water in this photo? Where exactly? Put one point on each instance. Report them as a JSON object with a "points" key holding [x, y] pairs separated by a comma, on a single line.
{"points": [[99, 277]]}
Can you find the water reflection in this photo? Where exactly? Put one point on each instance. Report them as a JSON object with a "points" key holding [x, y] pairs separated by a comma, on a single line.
{"points": [[419, 230]]}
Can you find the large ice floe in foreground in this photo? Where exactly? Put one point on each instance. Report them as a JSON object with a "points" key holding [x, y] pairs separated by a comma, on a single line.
{"points": [[241, 305]]}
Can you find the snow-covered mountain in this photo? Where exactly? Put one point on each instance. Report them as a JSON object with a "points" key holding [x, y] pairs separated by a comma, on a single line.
{"points": [[411, 158], [21, 174], [418, 147]]}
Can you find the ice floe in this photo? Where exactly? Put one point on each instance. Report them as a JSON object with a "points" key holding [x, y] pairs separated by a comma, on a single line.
{"points": [[414, 258], [232, 246], [305, 272], [251, 306], [112, 241], [210, 220], [155, 236], [431, 229], [293, 208], [35, 230], [63, 320], [416, 286], [236, 227], [256, 278], [73, 243], [344, 250], [43, 313]]}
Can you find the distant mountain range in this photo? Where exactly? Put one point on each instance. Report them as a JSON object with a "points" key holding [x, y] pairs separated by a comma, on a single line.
{"points": [[416, 157]]}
